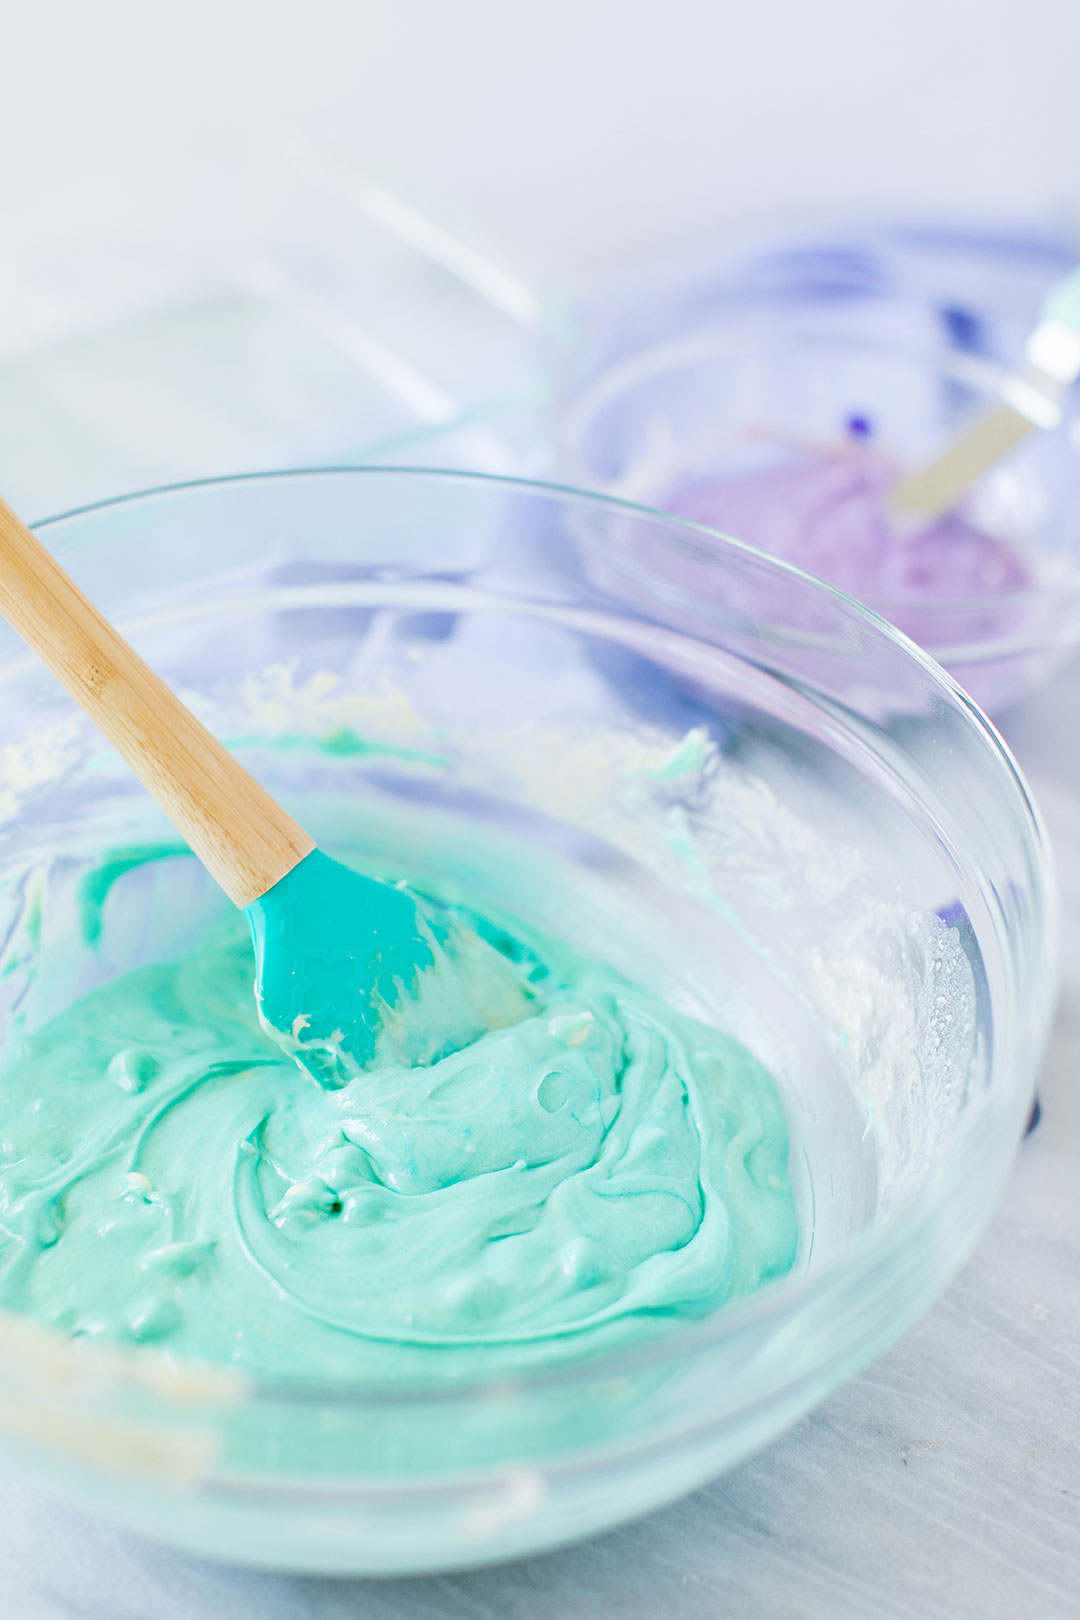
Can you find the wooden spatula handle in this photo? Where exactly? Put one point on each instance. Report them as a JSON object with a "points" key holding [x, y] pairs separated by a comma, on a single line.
{"points": [[242, 836]]}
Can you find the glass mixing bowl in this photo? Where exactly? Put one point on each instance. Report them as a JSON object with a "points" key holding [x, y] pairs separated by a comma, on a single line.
{"points": [[747, 399], [800, 810]]}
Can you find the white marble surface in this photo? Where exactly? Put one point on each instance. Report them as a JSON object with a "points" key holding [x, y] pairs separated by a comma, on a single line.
{"points": [[944, 1482]]}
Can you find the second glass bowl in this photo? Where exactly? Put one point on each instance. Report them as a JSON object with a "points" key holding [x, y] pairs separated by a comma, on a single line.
{"points": [[727, 405]]}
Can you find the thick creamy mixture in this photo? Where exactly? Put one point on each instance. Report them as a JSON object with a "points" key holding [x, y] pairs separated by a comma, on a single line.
{"points": [[168, 1176], [830, 516]]}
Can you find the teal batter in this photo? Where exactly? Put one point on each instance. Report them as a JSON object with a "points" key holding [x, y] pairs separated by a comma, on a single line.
{"points": [[168, 1176]]}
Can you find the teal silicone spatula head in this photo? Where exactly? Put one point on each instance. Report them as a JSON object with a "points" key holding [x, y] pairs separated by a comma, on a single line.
{"points": [[351, 970]]}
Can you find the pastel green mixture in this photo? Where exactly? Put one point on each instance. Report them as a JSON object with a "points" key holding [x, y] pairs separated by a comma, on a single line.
{"points": [[169, 1176]]}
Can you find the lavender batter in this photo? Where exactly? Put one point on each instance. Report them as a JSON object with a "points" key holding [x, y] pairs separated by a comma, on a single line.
{"points": [[829, 515]]}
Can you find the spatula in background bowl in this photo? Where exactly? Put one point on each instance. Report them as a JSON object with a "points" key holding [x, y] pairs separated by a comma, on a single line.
{"points": [[1030, 399]]}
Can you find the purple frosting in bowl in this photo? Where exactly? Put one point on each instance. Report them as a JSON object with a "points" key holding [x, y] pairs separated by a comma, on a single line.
{"points": [[829, 516]]}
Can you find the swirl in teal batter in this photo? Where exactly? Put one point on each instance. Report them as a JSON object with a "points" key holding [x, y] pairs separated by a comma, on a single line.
{"points": [[168, 1176]]}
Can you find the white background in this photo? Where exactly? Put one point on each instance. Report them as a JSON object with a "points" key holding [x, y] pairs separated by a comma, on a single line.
{"points": [[565, 135]]}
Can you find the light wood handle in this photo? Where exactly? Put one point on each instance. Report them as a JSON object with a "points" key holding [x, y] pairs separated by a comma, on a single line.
{"points": [[932, 490], [242, 836]]}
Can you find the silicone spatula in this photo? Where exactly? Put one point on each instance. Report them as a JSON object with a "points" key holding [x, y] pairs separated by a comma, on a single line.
{"points": [[1029, 399], [349, 968]]}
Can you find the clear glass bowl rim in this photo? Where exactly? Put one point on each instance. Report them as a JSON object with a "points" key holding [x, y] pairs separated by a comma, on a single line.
{"points": [[904, 1230]]}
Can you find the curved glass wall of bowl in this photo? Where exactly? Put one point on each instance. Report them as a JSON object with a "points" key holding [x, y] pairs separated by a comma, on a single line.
{"points": [[974, 287], [785, 820], [790, 440], [278, 309]]}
